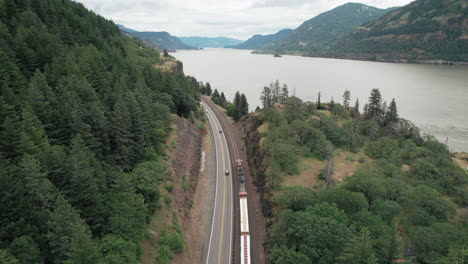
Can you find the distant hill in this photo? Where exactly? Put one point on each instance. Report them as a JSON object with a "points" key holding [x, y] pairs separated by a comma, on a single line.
{"points": [[327, 27], [422, 30], [261, 41], [162, 39], [202, 42]]}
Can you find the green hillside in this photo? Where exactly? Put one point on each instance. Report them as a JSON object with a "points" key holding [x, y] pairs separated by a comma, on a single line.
{"points": [[84, 117], [422, 30], [348, 187], [327, 27], [262, 41], [160, 39]]}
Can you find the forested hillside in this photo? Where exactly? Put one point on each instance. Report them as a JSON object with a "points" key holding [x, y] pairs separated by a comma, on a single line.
{"points": [[161, 39], [422, 30], [261, 41], [401, 200], [84, 116], [319, 32]]}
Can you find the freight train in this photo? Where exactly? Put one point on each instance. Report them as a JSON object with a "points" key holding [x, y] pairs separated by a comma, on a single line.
{"points": [[244, 215]]}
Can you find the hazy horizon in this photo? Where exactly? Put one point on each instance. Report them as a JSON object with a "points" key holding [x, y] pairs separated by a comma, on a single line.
{"points": [[238, 19]]}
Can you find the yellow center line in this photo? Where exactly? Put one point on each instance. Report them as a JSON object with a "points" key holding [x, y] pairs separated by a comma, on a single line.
{"points": [[224, 205]]}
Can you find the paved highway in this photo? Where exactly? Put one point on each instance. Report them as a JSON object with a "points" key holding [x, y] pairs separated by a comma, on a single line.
{"points": [[220, 240]]}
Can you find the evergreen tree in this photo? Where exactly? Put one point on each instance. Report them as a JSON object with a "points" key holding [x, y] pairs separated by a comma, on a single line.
{"points": [[208, 89], [25, 249], [346, 99], [121, 139], [7, 258], [85, 186], [115, 249], [222, 100], [359, 250], [275, 92], [284, 94], [243, 106], [332, 105], [266, 97], [36, 182], [391, 115], [65, 229], [319, 105], [374, 106], [356, 112], [83, 249], [237, 99]]}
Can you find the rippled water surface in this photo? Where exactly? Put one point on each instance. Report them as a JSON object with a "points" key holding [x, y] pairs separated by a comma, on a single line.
{"points": [[434, 97]]}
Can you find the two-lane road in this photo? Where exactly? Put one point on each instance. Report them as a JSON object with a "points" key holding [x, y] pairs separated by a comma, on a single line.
{"points": [[219, 249]]}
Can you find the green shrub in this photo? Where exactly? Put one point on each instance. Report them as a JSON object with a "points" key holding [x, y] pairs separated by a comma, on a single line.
{"points": [[165, 255], [169, 187]]}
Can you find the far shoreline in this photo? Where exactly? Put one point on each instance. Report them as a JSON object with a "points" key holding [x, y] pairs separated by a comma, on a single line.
{"points": [[427, 62]]}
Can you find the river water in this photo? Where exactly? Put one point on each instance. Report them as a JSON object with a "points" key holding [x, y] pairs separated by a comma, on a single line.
{"points": [[434, 97]]}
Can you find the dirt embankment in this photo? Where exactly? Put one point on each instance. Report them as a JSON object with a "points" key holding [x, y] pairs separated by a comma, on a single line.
{"points": [[249, 131], [184, 156], [196, 223]]}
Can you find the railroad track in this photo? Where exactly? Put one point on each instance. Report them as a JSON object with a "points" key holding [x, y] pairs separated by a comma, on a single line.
{"points": [[241, 250]]}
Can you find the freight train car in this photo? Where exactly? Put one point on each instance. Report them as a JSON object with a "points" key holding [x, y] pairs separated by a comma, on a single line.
{"points": [[245, 235]]}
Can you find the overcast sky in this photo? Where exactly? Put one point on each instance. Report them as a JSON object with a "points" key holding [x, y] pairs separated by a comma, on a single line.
{"points": [[211, 18]]}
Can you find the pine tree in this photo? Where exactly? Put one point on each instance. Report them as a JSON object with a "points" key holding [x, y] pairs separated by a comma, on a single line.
{"points": [[392, 244], [275, 92], [39, 98], [319, 105], [374, 107], [121, 121], [359, 250], [243, 106], [33, 139], [35, 181], [85, 186], [7, 258], [26, 250], [284, 94], [356, 112], [346, 99], [208, 89], [82, 248], [222, 100], [64, 227], [266, 97], [391, 115], [332, 105], [237, 99]]}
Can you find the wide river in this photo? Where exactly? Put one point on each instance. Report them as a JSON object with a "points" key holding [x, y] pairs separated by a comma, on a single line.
{"points": [[434, 97]]}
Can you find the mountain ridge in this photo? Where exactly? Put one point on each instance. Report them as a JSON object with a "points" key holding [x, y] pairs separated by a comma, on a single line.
{"points": [[209, 42], [327, 27], [423, 30], [259, 41], [161, 39]]}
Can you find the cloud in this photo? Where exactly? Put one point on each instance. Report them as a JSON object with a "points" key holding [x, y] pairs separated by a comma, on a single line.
{"points": [[279, 3], [233, 18]]}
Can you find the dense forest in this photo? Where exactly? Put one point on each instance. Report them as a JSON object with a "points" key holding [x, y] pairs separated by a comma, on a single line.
{"points": [[236, 109], [84, 117], [405, 201]]}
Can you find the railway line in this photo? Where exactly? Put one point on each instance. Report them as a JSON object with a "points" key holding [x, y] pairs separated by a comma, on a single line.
{"points": [[241, 247]]}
